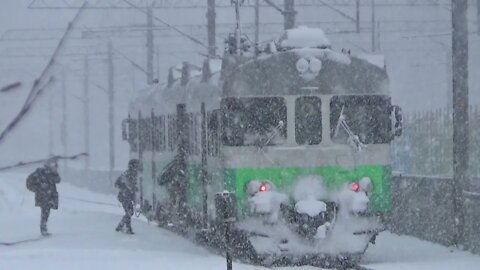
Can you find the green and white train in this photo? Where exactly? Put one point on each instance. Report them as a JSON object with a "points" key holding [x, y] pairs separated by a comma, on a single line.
{"points": [[298, 135]]}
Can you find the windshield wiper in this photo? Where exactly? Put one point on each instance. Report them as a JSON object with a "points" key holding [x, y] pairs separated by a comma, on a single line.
{"points": [[271, 136], [353, 139]]}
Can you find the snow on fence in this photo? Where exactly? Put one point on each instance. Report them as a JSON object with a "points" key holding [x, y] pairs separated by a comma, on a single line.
{"points": [[425, 147], [423, 207]]}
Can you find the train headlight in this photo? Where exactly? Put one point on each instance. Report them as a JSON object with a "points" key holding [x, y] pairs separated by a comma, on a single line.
{"points": [[315, 65], [255, 186], [302, 65], [355, 186], [366, 185]]}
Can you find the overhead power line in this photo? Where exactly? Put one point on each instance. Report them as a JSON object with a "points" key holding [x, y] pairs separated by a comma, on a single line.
{"points": [[40, 84], [168, 24], [177, 4]]}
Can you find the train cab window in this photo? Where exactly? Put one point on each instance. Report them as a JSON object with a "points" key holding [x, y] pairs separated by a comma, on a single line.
{"points": [[145, 134], [159, 133], [212, 132], [308, 120], [172, 131], [133, 135], [367, 117], [258, 121]]}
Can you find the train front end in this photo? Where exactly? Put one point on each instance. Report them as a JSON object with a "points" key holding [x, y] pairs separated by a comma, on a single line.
{"points": [[306, 136]]}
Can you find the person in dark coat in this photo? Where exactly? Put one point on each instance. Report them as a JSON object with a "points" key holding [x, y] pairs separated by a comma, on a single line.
{"points": [[43, 182], [127, 186], [174, 179]]}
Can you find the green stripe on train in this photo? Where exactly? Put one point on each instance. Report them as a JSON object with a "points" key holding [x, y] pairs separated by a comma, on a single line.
{"points": [[236, 179], [283, 178]]}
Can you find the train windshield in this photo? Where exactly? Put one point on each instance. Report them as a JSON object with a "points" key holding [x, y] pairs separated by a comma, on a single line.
{"points": [[308, 120], [254, 121], [365, 117]]}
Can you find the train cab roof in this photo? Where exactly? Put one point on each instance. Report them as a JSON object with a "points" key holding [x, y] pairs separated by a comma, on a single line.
{"points": [[302, 61]]}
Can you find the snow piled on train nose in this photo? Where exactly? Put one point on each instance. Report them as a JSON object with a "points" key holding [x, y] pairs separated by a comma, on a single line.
{"points": [[350, 201], [267, 203], [308, 195], [310, 186]]}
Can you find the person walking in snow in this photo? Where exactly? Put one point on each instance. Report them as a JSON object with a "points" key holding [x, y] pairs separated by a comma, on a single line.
{"points": [[43, 182], [127, 186]]}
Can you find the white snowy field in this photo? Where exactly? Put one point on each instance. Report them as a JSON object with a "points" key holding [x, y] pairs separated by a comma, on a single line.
{"points": [[83, 237]]}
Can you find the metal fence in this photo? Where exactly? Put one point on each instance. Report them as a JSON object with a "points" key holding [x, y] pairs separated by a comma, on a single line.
{"points": [[425, 147], [423, 186], [423, 208]]}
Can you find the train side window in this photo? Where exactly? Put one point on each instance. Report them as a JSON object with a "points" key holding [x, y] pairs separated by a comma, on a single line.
{"points": [[172, 131], [308, 120], [213, 127], [159, 133], [161, 128], [145, 134], [149, 134], [141, 135], [192, 143], [197, 130], [133, 135]]}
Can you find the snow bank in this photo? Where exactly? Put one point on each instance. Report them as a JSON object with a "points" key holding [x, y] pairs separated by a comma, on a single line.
{"points": [[84, 238], [83, 235]]}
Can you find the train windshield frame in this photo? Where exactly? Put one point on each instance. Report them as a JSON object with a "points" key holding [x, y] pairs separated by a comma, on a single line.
{"points": [[259, 121], [367, 116]]}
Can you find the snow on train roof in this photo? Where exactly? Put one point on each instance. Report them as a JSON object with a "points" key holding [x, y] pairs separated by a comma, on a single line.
{"points": [[162, 98], [305, 37], [324, 54], [374, 59]]}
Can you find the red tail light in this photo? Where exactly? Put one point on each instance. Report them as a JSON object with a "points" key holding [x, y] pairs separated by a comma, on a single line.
{"points": [[355, 187], [263, 188]]}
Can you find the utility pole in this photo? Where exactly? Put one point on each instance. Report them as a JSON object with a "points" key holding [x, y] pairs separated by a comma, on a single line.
{"points": [[378, 39], [478, 17], [238, 28], [289, 14], [211, 28], [257, 23], [158, 63], [448, 55], [50, 124], [63, 130], [86, 111], [460, 114], [373, 25], [357, 17], [150, 46], [111, 111]]}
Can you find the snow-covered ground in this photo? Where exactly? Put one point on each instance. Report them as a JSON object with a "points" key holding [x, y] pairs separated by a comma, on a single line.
{"points": [[83, 237]]}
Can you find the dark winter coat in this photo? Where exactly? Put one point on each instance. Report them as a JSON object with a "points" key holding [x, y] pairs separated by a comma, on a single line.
{"points": [[127, 186], [43, 182], [173, 178], [172, 173]]}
